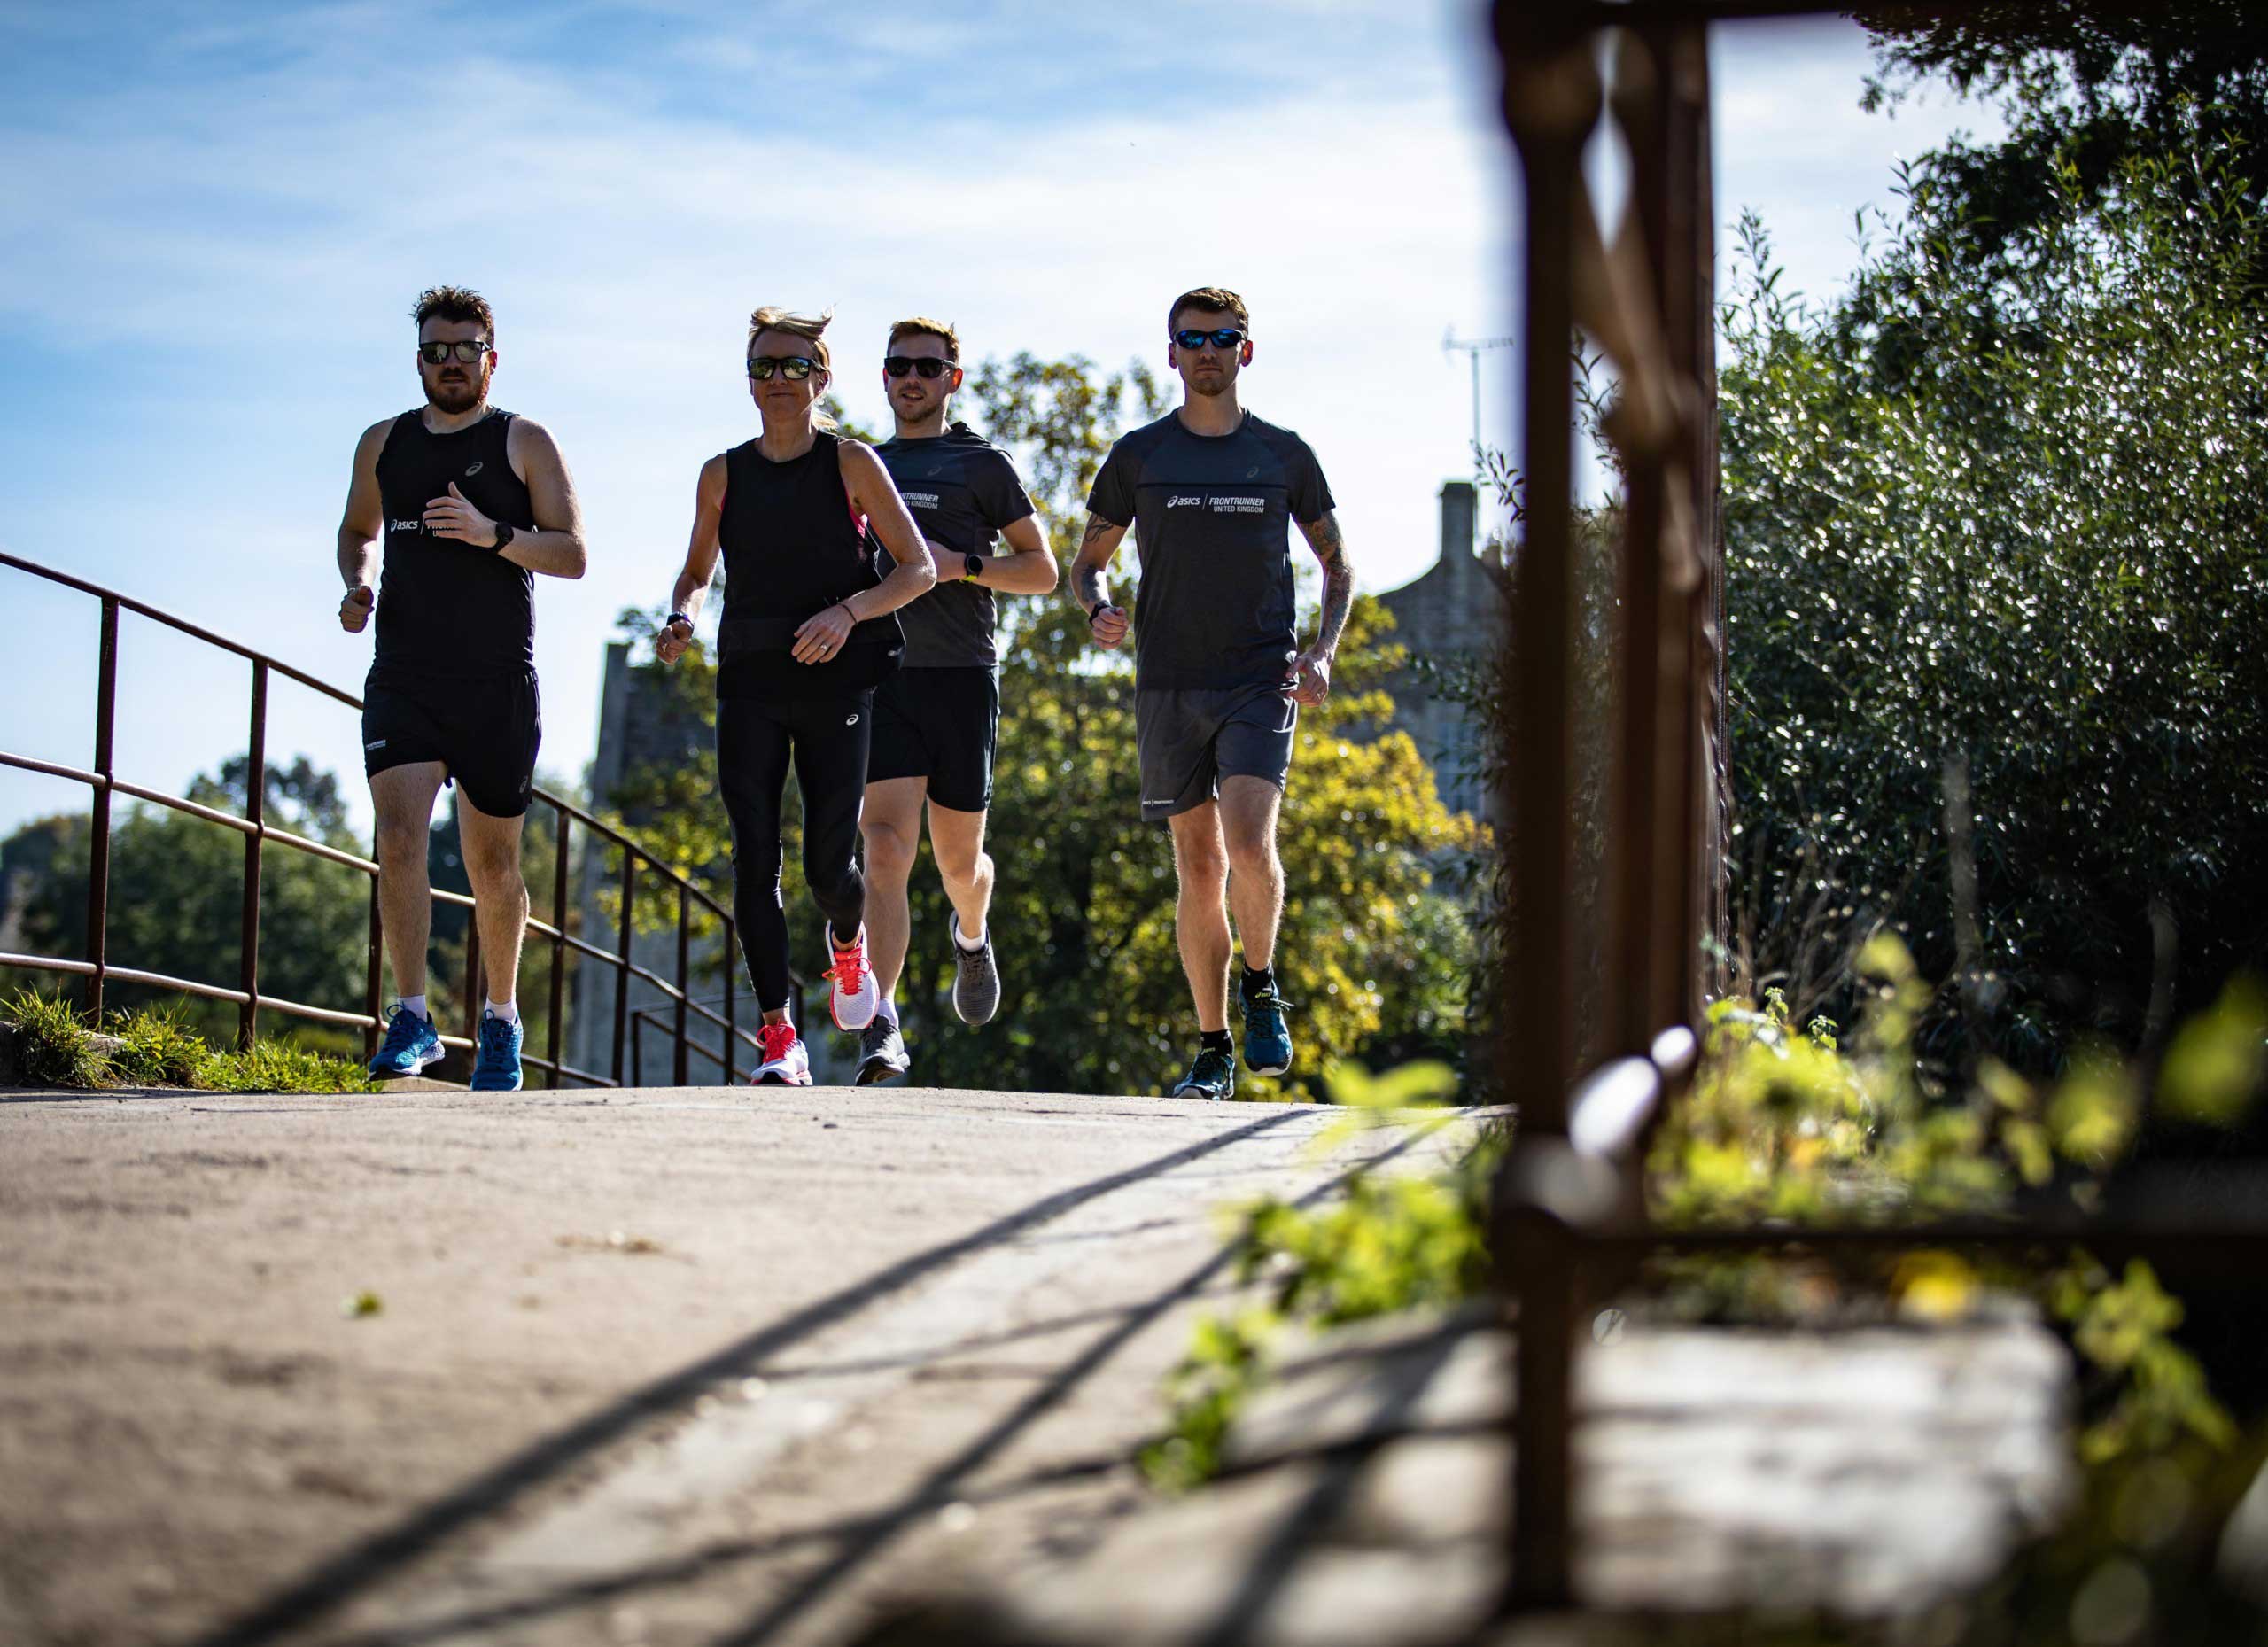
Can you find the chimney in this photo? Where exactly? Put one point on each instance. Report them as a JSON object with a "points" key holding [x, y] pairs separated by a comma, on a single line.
{"points": [[1460, 508]]}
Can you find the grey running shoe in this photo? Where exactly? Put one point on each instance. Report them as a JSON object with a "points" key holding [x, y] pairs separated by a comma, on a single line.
{"points": [[882, 1053], [977, 979], [1214, 1075]]}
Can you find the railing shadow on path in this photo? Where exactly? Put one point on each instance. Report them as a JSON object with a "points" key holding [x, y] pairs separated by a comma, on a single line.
{"points": [[332, 1583]]}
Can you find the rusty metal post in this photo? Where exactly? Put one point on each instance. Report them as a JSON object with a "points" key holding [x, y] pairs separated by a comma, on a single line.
{"points": [[638, 1044], [679, 1076], [256, 815], [732, 1018], [475, 986], [1551, 99], [559, 944], [371, 981], [622, 948], [98, 831]]}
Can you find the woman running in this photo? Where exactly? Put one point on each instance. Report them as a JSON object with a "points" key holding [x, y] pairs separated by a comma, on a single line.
{"points": [[807, 633]]}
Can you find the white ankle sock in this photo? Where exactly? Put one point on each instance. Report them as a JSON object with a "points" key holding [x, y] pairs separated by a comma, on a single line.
{"points": [[510, 1010], [971, 945], [416, 1003]]}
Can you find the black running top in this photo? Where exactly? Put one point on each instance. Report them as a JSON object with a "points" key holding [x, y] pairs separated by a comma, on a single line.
{"points": [[962, 490], [1212, 518], [792, 547], [448, 610]]}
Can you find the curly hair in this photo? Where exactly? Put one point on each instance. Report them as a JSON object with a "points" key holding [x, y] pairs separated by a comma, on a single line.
{"points": [[455, 303]]}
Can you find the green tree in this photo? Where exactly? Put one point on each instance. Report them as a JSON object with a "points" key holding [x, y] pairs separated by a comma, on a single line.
{"points": [[1998, 616]]}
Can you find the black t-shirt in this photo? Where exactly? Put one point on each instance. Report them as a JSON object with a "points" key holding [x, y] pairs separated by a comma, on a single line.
{"points": [[448, 610], [1212, 518], [962, 490]]}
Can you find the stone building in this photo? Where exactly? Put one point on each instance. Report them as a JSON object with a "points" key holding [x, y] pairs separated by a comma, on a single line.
{"points": [[1451, 615]]}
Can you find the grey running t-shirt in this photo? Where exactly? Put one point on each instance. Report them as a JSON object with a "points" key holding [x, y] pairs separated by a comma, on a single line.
{"points": [[962, 490], [1212, 518]]}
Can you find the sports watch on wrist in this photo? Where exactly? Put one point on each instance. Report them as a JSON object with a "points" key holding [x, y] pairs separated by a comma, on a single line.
{"points": [[503, 533], [971, 565], [679, 617]]}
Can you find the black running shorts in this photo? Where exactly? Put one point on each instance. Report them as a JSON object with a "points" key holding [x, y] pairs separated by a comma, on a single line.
{"points": [[938, 724], [1190, 740], [486, 732]]}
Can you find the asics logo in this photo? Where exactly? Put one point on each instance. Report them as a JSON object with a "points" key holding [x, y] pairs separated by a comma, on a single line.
{"points": [[852, 721], [1184, 503], [405, 525], [473, 467]]}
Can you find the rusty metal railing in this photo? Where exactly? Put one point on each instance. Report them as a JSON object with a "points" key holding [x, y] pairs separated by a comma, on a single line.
{"points": [[98, 969], [1570, 1213]]}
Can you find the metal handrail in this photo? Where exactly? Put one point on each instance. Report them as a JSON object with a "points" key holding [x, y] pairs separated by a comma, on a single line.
{"points": [[733, 1034], [104, 783]]}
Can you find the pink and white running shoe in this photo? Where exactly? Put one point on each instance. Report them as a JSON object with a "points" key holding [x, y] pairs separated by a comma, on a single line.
{"points": [[856, 995], [785, 1063]]}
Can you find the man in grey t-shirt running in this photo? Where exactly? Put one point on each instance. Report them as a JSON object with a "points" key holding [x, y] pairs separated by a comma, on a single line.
{"points": [[1218, 671], [937, 719]]}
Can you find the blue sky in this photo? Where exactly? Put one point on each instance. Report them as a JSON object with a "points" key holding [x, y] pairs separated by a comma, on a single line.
{"points": [[213, 220]]}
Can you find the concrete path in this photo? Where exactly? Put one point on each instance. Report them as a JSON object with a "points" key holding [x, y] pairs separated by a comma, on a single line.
{"points": [[690, 1365]]}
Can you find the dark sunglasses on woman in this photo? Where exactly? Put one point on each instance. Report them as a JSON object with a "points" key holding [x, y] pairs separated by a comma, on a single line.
{"points": [[898, 365], [794, 368], [1227, 337]]}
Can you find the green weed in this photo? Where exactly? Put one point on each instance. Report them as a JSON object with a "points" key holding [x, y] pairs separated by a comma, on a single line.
{"points": [[53, 1048]]}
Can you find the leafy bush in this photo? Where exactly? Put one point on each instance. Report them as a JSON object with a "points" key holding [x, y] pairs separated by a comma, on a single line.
{"points": [[153, 1047], [156, 1048]]}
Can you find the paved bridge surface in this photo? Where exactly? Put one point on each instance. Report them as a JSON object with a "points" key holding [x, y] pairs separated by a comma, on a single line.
{"points": [[697, 1365]]}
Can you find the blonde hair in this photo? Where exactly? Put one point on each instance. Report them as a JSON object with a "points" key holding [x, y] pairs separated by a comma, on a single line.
{"points": [[810, 329], [922, 326]]}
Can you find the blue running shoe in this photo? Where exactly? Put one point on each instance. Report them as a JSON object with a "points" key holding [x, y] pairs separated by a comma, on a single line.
{"points": [[412, 1043], [1213, 1077], [1267, 1038], [496, 1063]]}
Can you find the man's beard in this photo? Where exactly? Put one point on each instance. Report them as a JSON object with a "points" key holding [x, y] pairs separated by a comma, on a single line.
{"points": [[452, 398], [1216, 384]]}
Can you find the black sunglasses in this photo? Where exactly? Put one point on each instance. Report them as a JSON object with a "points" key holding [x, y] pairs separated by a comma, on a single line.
{"points": [[898, 365], [794, 368], [434, 353], [1227, 337]]}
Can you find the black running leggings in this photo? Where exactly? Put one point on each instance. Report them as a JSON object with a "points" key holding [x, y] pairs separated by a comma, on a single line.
{"points": [[826, 738]]}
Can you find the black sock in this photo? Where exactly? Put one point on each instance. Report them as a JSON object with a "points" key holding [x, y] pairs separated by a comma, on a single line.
{"points": [[1255, 979], [1216, 1041]]}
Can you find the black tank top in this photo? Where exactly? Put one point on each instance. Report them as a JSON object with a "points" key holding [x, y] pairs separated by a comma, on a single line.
{"points": [[792, 547], [448, 610]]}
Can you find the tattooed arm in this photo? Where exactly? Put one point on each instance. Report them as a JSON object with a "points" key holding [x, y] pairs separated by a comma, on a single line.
{"points": [[1089, 587], [1313, 684]]}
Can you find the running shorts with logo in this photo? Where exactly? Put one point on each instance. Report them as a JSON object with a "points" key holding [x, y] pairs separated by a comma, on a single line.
{"points": [[453, 679], [942, 724], [485, 733], [1214, 641], [1189, 740]]}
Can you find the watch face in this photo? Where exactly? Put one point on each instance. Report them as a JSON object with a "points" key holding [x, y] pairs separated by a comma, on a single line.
{"points": [[975, 564]]}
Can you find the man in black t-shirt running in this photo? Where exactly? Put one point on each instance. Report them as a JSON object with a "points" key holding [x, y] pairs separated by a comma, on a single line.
{"points": [[1218, 672], [469, 501], [937, 719]]}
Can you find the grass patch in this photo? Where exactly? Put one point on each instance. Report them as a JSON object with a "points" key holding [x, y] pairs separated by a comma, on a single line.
{"points": [[155, 1047], [52, 1048]]}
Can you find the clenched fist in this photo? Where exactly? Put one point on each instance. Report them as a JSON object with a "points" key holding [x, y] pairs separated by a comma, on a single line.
{"points": [[355, 608]]}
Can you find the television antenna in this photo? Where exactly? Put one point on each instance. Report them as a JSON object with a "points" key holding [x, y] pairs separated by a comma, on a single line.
{"points": [[1472, 349]]}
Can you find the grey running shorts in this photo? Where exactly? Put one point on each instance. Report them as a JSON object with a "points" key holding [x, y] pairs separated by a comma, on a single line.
{"points": [[1190, 740]]}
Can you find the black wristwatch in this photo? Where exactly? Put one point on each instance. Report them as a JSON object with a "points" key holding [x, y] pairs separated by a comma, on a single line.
{"points": [[679, 617], [503, 533], [971, 565]]}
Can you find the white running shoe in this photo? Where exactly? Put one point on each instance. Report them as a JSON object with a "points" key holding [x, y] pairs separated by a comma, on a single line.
{"points": [[785, 1063], [856, 997]]}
